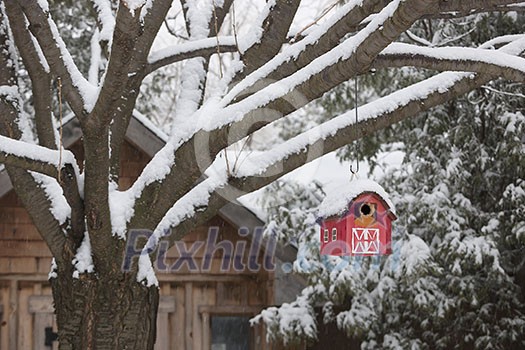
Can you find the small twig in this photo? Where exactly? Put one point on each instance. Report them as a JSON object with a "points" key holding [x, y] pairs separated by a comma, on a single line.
{"points": [[59, 81], [172, 31], [324, 13], [217, 38], [240, 152], [227, 163], [234, 26]]}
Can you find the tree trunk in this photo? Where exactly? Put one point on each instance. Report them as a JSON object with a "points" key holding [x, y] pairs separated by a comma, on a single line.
{"points": [[99, 312]]}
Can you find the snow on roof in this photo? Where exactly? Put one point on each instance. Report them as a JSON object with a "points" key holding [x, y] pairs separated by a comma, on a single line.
{"points": [[339, 196], [150, 126]]}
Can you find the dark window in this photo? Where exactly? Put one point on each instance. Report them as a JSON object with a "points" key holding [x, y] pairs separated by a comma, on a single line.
{"points": [[230, 333]]}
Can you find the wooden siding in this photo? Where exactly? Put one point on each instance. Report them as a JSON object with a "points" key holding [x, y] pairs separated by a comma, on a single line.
{"points": [[189, 298]]}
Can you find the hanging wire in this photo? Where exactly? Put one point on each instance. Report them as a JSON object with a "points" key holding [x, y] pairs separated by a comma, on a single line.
{"points": [[354, 172]]}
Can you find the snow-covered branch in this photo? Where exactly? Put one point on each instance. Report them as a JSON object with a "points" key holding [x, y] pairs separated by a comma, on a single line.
{"points": [[33, 157], [105, 19], [127, 29], [466, 7], [254, 174], [270, 35], [79, 93], [489, 62], [281, 98], [327, 137], [38, 70], [321, 39], [198, 48]]}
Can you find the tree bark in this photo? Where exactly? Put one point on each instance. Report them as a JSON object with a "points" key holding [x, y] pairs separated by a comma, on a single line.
{"points": [[102, 312]]}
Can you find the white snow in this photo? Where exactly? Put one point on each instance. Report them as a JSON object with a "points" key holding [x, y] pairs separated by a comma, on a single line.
{"points": [[23, 149], [146, 273], [88, 91], [95, 62], [121, 209], [10, 92], [44, 5], [253, 36], [106, 18], [488, 56], [133, 5], [190, 46], [413, 254], [59, 206], [295, 319], [83, 260], [53, 270], [122, 202], [337, 200], [184, 208]]}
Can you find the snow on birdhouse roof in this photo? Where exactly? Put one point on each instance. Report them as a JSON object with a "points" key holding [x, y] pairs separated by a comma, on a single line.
{"points": [[338, 197]]}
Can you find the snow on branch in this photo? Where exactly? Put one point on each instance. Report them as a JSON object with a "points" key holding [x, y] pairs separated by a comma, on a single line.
{"points": [[333, 134], [328, 135], [475, 6], [33, 157], [268, 34], [341, 130], [319, 76], [490, 62], [345, 57], [293, 322], [200, 17], [192, 49], [296, 50], [80, 94], [106, 19]]}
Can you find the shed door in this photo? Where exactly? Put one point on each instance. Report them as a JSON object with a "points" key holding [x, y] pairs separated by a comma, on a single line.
{"points": [[41, 308], [166, 307]]}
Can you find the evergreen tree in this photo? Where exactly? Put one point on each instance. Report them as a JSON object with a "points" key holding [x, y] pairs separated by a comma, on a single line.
{"points": [[457, 275]]}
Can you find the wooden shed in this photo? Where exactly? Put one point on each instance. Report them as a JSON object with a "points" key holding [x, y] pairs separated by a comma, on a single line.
{"points": [[199, 308]]}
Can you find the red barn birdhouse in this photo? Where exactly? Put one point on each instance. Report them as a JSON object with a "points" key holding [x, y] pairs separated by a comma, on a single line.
{"points": [[357, 221]]}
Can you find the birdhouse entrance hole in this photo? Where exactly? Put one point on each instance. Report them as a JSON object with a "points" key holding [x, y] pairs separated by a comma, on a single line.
{"points": [[365, 209]]}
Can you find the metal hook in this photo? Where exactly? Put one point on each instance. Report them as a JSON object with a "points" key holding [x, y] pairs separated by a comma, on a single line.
{"points": [[354, 172]]}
